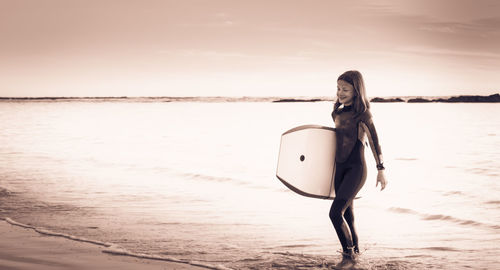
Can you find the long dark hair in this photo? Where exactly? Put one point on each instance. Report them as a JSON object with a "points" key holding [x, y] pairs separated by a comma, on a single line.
{"points": [[361, 102]]}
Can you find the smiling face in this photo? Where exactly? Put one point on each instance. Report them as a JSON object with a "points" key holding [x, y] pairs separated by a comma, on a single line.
{"points": [[345, 92]]}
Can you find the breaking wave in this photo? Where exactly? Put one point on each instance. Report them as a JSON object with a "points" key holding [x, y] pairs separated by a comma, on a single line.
{"points": [[432, 217]]}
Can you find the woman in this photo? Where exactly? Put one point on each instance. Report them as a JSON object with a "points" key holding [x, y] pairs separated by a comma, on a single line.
{"points": [[353, 123]]}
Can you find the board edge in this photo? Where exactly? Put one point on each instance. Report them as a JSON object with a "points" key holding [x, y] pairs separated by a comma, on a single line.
{"points": [[308, 127], [300, 192]]}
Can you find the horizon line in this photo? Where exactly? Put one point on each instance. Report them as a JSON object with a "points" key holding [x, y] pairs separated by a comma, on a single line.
{"points": [[230, 97]]}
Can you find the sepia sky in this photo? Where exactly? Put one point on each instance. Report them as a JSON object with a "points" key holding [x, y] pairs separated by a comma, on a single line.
{"points": [[253, 48]]}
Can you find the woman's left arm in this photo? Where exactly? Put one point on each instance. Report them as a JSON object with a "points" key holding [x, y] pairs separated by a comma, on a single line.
{"points": [[367, 124]]}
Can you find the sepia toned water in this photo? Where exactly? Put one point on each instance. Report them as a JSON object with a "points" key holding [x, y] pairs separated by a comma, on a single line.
{"points": [[195, 181]]}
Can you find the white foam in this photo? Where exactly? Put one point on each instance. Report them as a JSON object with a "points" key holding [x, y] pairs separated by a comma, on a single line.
{"points": [[117, 250], [113, 248], [51, 233]]}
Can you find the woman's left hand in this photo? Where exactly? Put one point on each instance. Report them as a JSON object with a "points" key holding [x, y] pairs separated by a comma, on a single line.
{"points": [[381, 180]]}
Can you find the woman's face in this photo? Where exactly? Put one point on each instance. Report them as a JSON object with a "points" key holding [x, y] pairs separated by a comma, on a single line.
{"points": [[345, 92]]}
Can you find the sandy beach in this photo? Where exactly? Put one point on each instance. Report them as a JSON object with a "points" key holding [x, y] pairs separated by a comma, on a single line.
{"points": [[25, 249]]}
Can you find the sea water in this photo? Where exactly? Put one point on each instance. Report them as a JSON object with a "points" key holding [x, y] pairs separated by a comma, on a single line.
{"points": [[195, 181]]}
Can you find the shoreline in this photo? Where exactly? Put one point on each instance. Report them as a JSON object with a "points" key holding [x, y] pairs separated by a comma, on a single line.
{"points": [[23, 248]]}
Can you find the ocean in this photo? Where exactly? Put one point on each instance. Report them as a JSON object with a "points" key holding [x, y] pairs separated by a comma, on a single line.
{"points": [[195, 182]]}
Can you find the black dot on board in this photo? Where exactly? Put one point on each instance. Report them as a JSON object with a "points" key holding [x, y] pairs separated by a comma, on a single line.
{"points": [[302, 157]]}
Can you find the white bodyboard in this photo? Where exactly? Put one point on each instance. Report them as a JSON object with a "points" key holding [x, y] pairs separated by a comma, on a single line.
{"points": [[306, 161]]}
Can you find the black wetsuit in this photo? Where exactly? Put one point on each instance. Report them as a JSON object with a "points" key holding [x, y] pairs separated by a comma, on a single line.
{"points": [[350, 172]]}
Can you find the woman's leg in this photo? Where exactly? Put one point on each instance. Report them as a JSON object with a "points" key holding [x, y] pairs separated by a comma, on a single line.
{"points": [[349, 218], [337, 217], [347, 184]]}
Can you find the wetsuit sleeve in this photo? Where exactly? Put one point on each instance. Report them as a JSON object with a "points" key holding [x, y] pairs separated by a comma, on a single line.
{"points": [[367, 124]]}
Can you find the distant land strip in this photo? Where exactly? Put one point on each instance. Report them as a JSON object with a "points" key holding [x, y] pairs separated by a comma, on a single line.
{"points": [[495, 98]]}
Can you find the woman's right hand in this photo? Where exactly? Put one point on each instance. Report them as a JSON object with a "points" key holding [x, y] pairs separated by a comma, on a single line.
{"points": [[381, 179]]}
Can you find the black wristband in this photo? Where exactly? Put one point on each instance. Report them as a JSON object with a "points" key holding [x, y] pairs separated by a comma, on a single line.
{"points": [[380, 166]]}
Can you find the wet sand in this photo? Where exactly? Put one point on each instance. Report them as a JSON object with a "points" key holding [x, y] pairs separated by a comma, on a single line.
{"points": [[25, 249]]}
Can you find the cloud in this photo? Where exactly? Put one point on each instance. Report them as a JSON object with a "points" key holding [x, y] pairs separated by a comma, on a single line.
{"points": [[448, 52], [475, 27], [449, 28]]}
